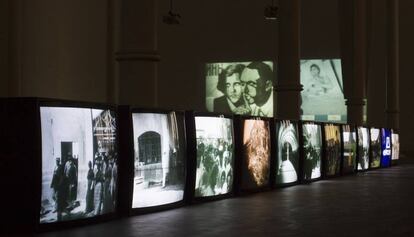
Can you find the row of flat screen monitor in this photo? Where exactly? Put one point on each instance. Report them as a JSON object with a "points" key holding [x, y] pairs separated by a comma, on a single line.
{"points": [[80, 167]]}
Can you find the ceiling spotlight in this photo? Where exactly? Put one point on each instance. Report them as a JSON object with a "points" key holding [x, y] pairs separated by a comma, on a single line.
{"points": [[270, 12], [171, 18]]}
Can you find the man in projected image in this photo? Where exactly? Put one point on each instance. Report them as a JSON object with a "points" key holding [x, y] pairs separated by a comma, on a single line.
{"points": [[230, 85], [258, 88]]}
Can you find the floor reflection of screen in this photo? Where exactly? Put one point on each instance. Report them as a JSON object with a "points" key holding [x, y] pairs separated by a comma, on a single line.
{"points": [[349, 140], [363, 148], [159, 151], [323, 91], [385, 147], [79, 163], [256, 154], [395, 146], [240, 88], [215, 156], [312, 148], [332, 149], [375, 148], [288, 152]]}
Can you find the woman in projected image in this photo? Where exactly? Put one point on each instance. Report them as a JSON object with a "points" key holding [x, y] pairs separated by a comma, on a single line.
{"points": [[320, 85], [230, 85]]}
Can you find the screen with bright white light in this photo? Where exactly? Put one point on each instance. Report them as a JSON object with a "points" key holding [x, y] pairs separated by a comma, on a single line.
{"points": [[256, 154], [332, 149], [323, 90], [79, 163], [350, 149], [363, 148], [312, 150], [159, 159], [375, 148], [385, 147], [215, 156], [244, 88], [395, 146], [287, 168]]}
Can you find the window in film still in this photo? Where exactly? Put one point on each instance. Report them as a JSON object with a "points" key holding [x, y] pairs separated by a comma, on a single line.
{"points": [[287, 153], [215, 156], [385, 147], [256, 154], [332, 149], [395, 146], [375, 148], [350, 148], [79, 163], [363, 148], [159, 159], [240, 88], [323, 90], [312, 151]]}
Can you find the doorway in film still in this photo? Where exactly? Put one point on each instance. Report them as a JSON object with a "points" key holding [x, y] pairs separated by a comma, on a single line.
{"points": [[159, 151], [288, 152], [79, 163]]}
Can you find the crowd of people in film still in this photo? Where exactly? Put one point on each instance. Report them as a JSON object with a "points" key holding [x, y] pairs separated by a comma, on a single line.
{"points": [[214, 167], [101, 185]]}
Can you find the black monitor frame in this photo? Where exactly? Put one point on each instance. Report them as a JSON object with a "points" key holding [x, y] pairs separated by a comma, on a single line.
{"points": [[239, 153], [189, 193], [275, 143], [128, 164]]}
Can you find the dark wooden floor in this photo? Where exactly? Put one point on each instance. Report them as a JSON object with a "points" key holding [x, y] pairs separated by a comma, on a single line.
{"points": [[376, 203]]}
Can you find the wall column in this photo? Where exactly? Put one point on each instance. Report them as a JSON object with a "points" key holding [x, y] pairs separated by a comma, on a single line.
{"points": [[288, 85], [354, 54], [393, 103], [136, 53]]}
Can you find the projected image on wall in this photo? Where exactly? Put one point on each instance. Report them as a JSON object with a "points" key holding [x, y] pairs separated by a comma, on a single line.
{"points": [[312, 151], [350, 148], [159, 159], [323, 91], [240, 88], [256, 153], [215, 156], [363, 148], [395, 146], [375, 148], [385, 147], [287, 168], [332, 149], [79, 163]]}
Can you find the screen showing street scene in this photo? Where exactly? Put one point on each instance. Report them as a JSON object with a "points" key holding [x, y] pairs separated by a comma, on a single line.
{"points": [[375, 148], [159, 159], [244, 88], [363, 148], [312, 150], [385, 147], [332, 149], [79, 163], [287, 168], [215, 156], [323, 90], [256, 154], [350, 148]]}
